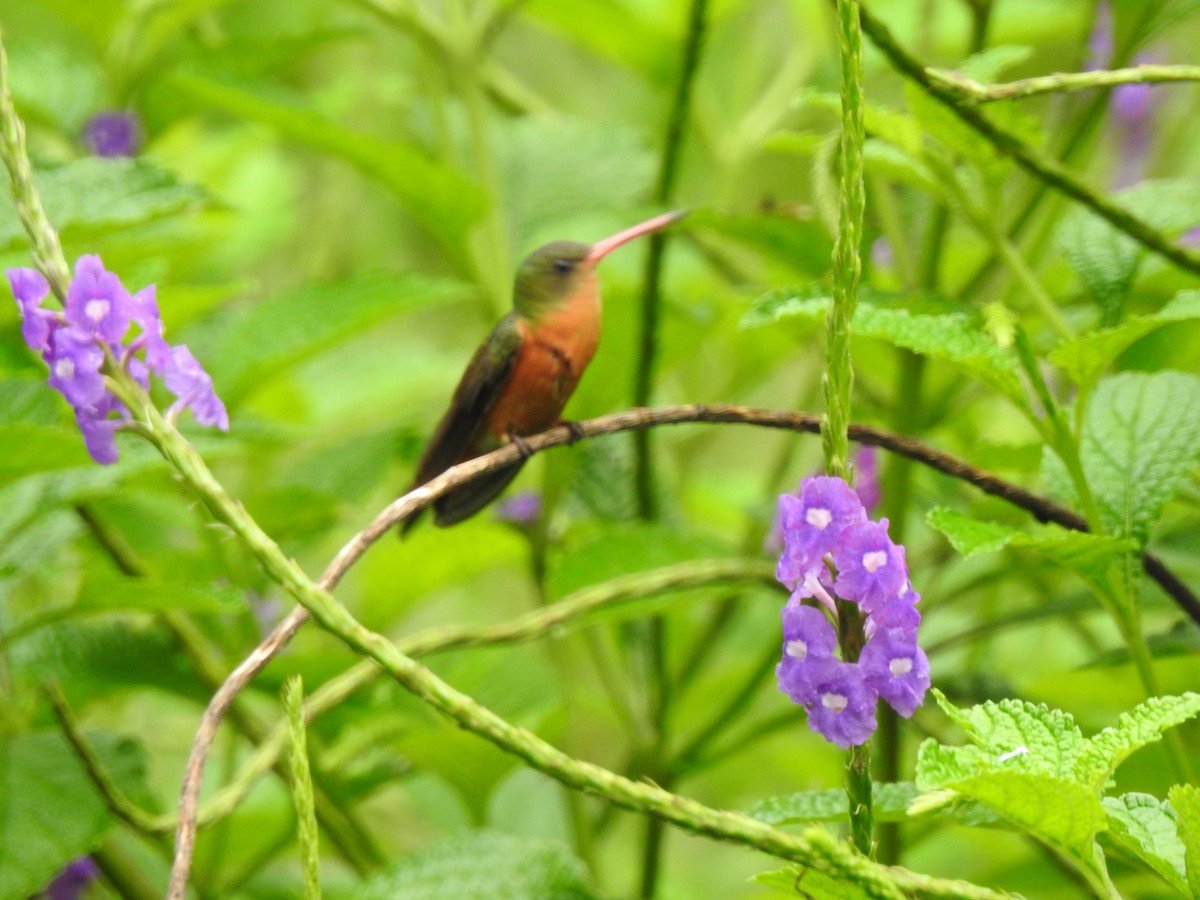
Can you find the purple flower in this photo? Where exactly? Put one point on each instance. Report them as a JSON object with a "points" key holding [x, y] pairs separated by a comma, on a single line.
{"points": [[808, 642], [30, 289], [113, 133], [811, 524], [842, 708], [143, 309], [871, 569], [882, 255], [521, 509], [75, 359], [896, 668], [73, 880], [98, 314], [834, 553], [1100, 41], [188, 381], [866, 477], [97, 302]]}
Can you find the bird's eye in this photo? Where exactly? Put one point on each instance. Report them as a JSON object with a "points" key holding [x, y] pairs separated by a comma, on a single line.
{"points": [[563, 266]]}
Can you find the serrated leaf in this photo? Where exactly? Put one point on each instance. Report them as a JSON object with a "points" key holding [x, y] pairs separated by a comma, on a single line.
{"points": [[101, 194], [482, 865], [442, 199], [1085, 358], [1047, 740], [804, 881], [50, 813], [1140, 440], [294, 325], [1142, 725], [1185, 800], [917, 322], [1106, 259], [1146, 827], [1091, 556]]}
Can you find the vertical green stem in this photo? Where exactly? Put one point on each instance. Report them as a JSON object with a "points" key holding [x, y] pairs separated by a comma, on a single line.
{"points": [[839, 376], [651, 304], [302, 788], [651, 640]]}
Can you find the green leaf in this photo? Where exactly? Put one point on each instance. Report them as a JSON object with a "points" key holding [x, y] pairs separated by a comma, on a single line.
{"points": [[101, 194], [49, 811], [442, 199], [1146, 827], [890, 803], [1185, 800], [1142, 725], [105, 593], [480, 866], [1050, 739], [1106, 259], [1085, 358], [1090, 556], [1140, 440], [556, 167], [29, 401], [36, 448], [920, 323], [801, 244], [804, 881], [242, 346]]}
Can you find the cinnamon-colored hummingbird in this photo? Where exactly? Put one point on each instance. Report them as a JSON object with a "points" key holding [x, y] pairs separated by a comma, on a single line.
{"points": [[522, 375]]}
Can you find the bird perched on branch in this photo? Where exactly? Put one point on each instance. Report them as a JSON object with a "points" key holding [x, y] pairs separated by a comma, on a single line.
{"points": [[522, 375]]}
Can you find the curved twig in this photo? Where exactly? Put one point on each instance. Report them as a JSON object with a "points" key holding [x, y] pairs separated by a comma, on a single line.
{"points": [[973, 91], [1042, 509]]}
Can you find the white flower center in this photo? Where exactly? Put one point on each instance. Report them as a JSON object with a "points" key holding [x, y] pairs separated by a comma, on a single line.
{"points": [[818, 518], [96, 309], [65, 369], [836, 702], [797, 649], [901, 666], [874, 559]]}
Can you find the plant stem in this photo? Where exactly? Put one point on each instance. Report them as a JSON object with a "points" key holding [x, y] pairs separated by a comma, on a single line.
{"points": [[651, 303], [302, 788], [839, 374], [1040, 166], [1060, 82]]}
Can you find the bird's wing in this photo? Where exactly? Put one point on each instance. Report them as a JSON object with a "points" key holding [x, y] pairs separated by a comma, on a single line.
{"points": [[486, 375]]}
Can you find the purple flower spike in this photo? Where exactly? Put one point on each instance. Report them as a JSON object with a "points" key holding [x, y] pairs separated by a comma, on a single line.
{"points": [[75, 359], [866, 476], [73, 880], [843, 705], [522, 509], [30, 289], [812, 523], [896, 668], [871, 569], [113, 134], [97, 302], [809, 642], [188, 381]]}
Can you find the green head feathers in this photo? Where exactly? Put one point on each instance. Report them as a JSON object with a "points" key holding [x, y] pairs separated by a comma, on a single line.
{"points": [[549, 275]]}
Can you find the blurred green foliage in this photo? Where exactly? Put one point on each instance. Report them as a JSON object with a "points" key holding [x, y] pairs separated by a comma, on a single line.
{"points": [[332, 197]]}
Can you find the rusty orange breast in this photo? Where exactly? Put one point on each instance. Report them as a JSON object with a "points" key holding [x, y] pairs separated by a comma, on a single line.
{"points": [[554, 352]]}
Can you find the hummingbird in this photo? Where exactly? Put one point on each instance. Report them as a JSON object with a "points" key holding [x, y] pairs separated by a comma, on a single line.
{"points": [[525, 371]]}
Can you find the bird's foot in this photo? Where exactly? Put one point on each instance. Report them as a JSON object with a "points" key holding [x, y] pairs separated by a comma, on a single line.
{"points": [[576, 429], [521, 444]]}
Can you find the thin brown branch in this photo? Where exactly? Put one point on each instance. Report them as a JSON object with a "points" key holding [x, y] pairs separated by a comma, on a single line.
{"points": [[640, 418]]}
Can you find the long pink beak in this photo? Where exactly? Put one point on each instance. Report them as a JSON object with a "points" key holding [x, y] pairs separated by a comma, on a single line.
{"points": [[600, 249]]}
